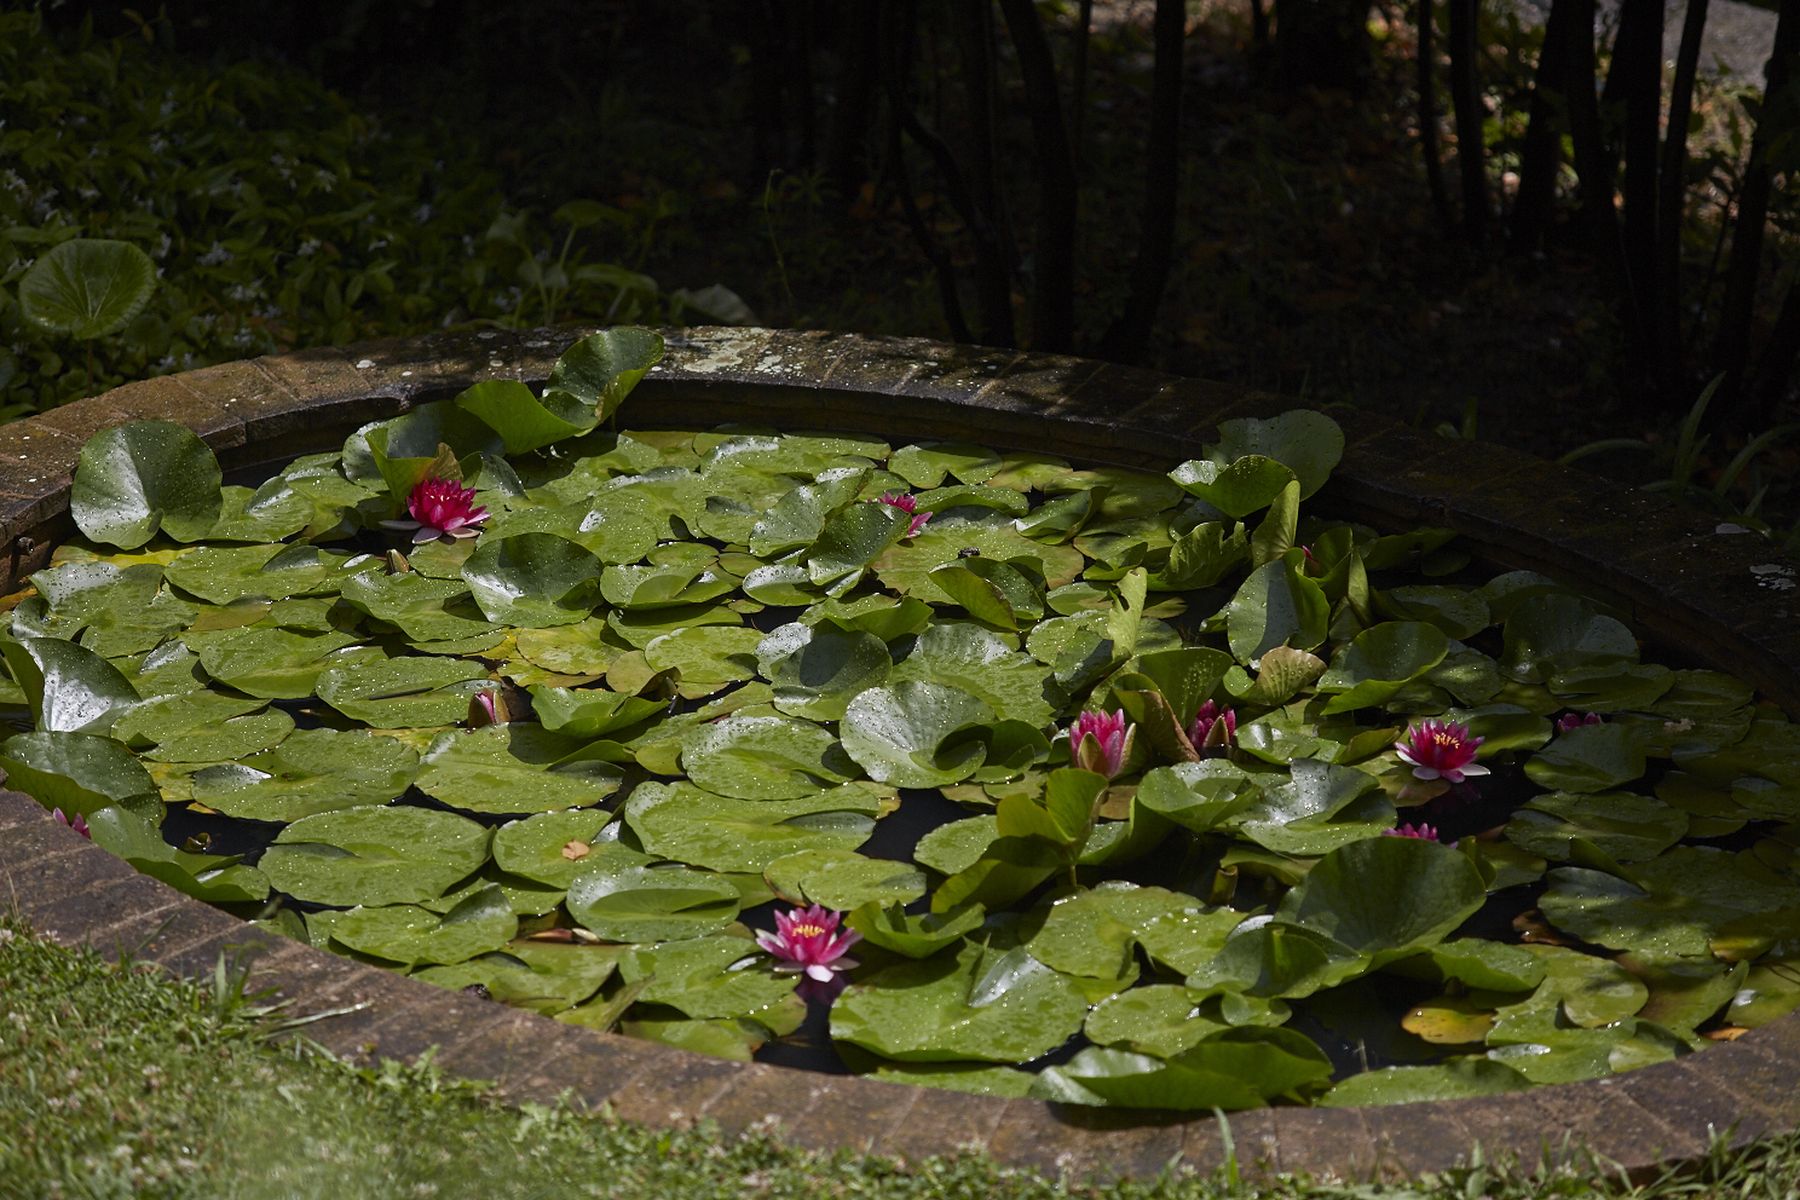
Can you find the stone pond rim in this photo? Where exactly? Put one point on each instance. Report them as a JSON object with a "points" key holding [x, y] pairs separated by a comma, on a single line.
{"points": [[1722, 599]]}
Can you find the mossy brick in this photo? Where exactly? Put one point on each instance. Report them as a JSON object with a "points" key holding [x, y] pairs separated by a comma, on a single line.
{"points": [[944, 1123], [1337, 1143], [595, 1066], [1083, 1143], [676, 1091], [1407, 1139], [882, 366], [503, 1050]]}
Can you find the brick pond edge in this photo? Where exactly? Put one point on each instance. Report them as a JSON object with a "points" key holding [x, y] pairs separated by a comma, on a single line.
{"points": [[1722, 598]]}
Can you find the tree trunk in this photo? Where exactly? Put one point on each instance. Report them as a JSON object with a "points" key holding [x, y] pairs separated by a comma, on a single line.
{"points": [[1130, 334], [1465, 95], [1593, 164], [1053, 291], [1541, 158], [1084, 28], [1671, 204], [858, 69], [1732, 354], [986, 214], [1428, 116], [1637, 67]]}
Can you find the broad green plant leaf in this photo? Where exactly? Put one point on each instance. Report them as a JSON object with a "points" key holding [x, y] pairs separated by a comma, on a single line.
{"points": [[312, 771], [374, 855], [87, 287], [651, 904], [136, 479], [916, 734], [533, 580]]}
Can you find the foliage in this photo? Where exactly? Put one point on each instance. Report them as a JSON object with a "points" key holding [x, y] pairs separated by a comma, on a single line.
{"points": [[275, 215], [764, 664]]}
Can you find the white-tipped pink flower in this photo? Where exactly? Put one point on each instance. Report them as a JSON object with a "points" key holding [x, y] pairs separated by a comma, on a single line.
{"points": [[441, 508], [1214, 728], [1440, 750], [1570, 721], [910, 507], [1421, 831], [1099, 742], [808, 941]]}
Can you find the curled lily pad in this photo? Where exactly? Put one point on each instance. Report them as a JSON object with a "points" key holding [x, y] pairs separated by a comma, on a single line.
{"points": [[215, 878], [1275, 606], [920, 936], [818, 669], [143, 477], [651, 904], [1235, 1069], [916, 734], [404, 933], [533, 579]]}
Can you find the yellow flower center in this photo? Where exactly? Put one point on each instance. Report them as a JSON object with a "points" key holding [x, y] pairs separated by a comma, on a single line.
{"points": [[1446, 740], [809, 930]]}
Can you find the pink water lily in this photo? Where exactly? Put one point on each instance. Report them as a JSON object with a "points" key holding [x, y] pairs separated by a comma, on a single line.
{"points": [[1421, 831], [77, 822], [808, 941], [441, 508], [1440, 750], [910, 506], [1100, 742], [1214, 728], [1570, 721]]}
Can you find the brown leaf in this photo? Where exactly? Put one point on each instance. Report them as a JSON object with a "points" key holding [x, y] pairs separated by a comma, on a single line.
{"points": [[575, 851]]}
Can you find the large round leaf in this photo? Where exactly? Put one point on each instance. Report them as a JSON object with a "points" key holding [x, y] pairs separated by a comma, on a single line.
{"points": [[533, 579], [545, 977], [652, 904], [818, 669], [843, 881], [682, 822], [1093, 933], [916, 734], [87, 287], [70, 689], [986, 665], [1380, 661], [599, 371], [371, 855], [1308, 443], [135, 479], [764, 758], [551, 847], [404, 933], [312, 771], [1589, 758], [77, 772], [977, 1004], [1387, 894], [512, 768], [1623, 826], [214, 878], [403, 693]]}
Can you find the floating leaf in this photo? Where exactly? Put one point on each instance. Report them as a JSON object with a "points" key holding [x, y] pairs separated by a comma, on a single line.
{"points": [[77, 772], [142, 477], [405, 934], [512, 768], [764, 758], [843, 881], [373, 855], [651, 904], [399, 693], [533, 579], [818, 669], [682, 822], [915, 734], [1460, 1079], [69, 689]]}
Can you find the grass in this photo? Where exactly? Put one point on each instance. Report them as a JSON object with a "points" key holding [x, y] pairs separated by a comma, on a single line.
{"points": [[118, 1081]]}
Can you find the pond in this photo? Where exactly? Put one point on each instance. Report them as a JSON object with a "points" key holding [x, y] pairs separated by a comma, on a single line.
{"points": [[1135, 790]]}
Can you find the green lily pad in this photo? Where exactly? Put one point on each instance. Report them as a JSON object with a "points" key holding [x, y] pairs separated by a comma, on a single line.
{"points": [[907, 567], [1623, 826], [214, 878], [708, 656], [975, 1004], [1308, 443], [1236, 488], [1384, 895], [233, 738], [70, 689], [1672, 905], [143, 477], [925, 464], [552, 847], [916, 734], [406, 934], [818, 669], [1380, 661], [311, 771], [79, 773], [1093, 933], [1459, 1079], [1588, 758], [374, 856], [512, 768], [708, 977], [533, 579], [680, 821], [651, 904], [401, 693], [764, 758], [1275, 606], [276, 664], [919, 936], [1556, 631], [588, 712], [225, 574], [422, 608], [843, 881], [542, 976], [1236, 1069]]}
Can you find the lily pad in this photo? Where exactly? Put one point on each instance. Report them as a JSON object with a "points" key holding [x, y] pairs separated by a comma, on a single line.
{"points": [[143, 477], [401, 693], [651, 904], [916, 734], [843, 881], [533, 579], [374, 856], [682, 822], [512, 768], [764, 758], [406, 934]]}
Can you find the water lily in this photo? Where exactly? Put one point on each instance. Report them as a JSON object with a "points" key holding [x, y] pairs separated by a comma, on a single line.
{"points": [[487, 708], [1100, 742], [441, 508], [1214, 728], [1421, 831], [1440, 750], [77, 822], [1570, 721], [808, 941], [910, 506]]}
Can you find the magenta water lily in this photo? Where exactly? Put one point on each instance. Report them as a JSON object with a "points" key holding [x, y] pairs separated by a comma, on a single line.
{"points": [[1422, 832], [1100, 742], [809, 941], [1214, 729], [910, 506], [441, 508], [1440, 750], [77, 822], [1569, 721]]}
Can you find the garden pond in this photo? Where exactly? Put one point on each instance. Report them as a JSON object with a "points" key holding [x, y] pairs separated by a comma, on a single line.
{"points": [[943, 764]]}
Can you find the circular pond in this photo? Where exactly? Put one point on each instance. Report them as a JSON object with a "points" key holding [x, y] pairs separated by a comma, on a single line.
{"points": [[1126, 639]]}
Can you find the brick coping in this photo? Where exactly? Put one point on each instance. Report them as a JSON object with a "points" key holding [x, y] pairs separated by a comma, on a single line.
{"points": [[1723, 598]]}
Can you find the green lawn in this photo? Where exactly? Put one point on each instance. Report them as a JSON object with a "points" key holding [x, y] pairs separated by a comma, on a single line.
{"points": [[116, 1081]]}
